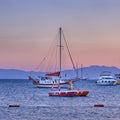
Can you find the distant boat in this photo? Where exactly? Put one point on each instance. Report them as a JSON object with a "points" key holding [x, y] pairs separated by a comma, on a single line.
{"points": [[106, 78], [68, 92], [117, 77], [51, 79], [82, 75]]}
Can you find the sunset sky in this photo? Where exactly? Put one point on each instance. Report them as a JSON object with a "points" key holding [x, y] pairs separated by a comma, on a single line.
{"points": [[27, 28]]}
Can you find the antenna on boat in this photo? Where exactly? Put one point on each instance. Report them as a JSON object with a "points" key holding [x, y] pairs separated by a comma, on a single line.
{"points": [[81, 71]]}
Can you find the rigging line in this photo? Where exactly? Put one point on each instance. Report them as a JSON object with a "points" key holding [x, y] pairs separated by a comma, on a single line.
{"points": [[51, 59], [52, 56], [40, 63], [69, 51], [56, 58]]}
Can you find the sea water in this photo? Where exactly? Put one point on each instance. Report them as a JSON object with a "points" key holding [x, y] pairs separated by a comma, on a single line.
{"points": [[35, 104]]}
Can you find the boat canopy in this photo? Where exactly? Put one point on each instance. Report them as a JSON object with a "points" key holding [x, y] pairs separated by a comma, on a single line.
{"points": [[53, 74]]}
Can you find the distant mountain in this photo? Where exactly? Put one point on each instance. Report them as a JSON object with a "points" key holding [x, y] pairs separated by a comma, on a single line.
{"points": [[16, 74], [91, 72]]}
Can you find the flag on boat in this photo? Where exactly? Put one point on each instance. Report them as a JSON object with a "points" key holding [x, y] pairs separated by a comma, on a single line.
{"points": [[53, 74], [59, 85]]}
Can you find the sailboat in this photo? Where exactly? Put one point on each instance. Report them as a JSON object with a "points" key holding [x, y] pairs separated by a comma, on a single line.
{"points": [[53, 79], [82, 76], [66, 92]]}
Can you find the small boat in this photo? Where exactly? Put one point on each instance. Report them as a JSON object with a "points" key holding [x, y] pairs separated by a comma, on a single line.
{"points": [[82, 76], [117, 77], [99, 105], [106, 78], [68, 92], [14, 105]]}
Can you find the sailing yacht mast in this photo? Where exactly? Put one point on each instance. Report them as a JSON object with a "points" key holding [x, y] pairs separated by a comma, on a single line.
{"points": [[60, 30]]}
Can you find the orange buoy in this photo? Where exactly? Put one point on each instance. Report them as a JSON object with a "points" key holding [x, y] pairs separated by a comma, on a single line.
{"points": [[14, 105], [98, 105]]}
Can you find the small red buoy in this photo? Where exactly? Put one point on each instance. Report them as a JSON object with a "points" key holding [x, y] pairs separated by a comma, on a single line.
{"points": [[14, 105], [98, 105]]}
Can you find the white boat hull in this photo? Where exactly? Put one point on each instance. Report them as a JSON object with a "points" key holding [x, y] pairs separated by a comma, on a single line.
{"points": [[106, 83], [50, 86]]}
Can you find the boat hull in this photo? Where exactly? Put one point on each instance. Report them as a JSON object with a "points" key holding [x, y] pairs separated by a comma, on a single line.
{"points": [[51, 85], [104, 83], [69, 93]]}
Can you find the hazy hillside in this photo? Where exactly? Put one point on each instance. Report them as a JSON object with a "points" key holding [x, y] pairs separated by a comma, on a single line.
{"points": [[92, 72], [16, 74]]}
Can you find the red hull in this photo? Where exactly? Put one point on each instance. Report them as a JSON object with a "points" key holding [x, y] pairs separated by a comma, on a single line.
{"points": [[98, 105], [69, 93]]}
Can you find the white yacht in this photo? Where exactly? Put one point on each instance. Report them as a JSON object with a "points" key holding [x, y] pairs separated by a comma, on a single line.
{"points": [[106, 78]]}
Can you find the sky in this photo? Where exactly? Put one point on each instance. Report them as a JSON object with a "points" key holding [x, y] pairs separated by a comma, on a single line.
{"points": [[27, 28]]}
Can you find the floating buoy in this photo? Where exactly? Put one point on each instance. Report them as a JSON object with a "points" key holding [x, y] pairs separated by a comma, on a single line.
{"points": [[14, 105], [98, 105]]}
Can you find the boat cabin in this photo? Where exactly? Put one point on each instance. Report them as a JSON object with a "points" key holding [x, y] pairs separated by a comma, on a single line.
{"points": [[48, 79]]}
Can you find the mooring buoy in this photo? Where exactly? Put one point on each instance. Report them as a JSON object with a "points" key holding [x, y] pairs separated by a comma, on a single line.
{"points": [[14, 105], [98, 105]]}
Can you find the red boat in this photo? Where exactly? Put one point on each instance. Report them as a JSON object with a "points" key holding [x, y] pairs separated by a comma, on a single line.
{"points": [[68, 93]]}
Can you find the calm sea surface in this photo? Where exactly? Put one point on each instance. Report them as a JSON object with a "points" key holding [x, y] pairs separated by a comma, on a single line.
{"points": [[35, 104]]}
